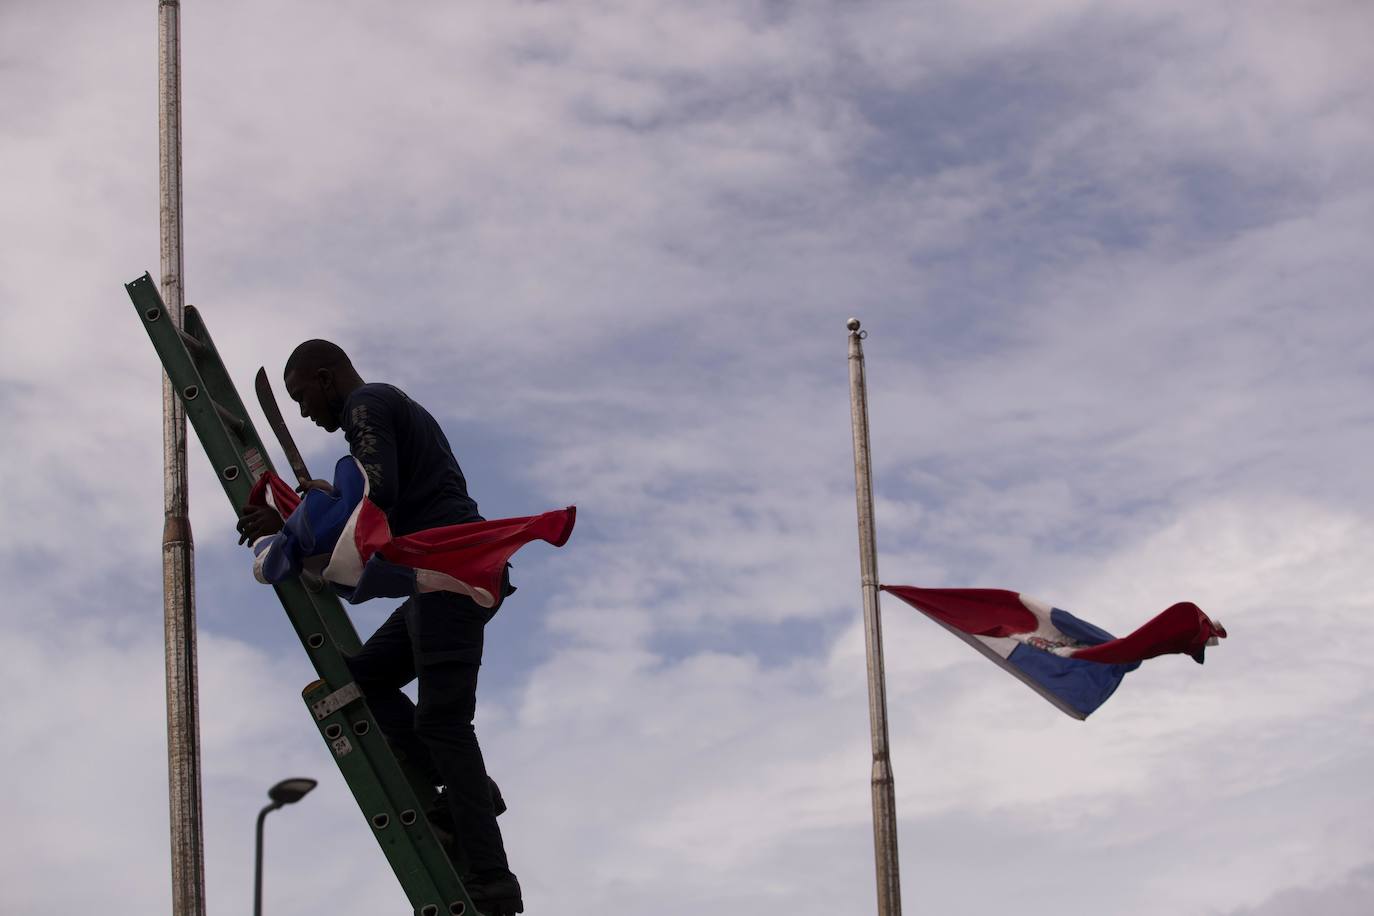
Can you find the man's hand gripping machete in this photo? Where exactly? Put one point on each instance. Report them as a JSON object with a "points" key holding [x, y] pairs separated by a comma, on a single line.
{"points": [[255, 521]]}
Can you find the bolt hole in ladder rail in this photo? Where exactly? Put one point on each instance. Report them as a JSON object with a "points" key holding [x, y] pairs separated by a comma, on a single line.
{"points": [[391, 797]]}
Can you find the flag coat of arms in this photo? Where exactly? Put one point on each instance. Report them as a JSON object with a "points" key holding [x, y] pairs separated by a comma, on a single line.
{"points": [[343, 536], [1071, 663]]}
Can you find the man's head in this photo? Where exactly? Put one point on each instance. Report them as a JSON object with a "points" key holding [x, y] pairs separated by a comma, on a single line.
{"points": [[319, 377]]}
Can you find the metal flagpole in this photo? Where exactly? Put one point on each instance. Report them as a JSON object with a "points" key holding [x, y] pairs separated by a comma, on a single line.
{"points": [[178, 551], [884, 796]]}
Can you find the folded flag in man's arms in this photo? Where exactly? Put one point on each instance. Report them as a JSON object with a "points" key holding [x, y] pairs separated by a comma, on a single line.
{"points": [[344, 537]]}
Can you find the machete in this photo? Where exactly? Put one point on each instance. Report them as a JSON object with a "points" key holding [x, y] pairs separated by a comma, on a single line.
{"points": [[274, 419]]}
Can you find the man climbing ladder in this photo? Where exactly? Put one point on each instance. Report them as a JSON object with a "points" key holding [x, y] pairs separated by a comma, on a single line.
{"points": [[435, 637], [468, 559]]}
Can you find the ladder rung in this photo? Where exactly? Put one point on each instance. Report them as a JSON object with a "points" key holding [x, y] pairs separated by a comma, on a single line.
{"points": [[231, 419], [194, 345]]}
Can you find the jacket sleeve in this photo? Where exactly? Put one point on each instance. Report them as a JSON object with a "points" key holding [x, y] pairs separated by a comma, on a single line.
{"points": [[370, 428]]}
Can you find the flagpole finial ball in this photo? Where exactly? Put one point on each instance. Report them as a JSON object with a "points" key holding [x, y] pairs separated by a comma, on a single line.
{"points": [[852, 324]]}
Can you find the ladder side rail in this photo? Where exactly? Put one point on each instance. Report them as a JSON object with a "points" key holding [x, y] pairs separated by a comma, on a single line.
{"points": [[335, 619], [223, 392], [232, 469], [393, 811]]}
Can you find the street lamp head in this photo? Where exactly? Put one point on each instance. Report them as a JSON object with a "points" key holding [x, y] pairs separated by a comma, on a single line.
{"points": [[289, 791], [285, 792]]}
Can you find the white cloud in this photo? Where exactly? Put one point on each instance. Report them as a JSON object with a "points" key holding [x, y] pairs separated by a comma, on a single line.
{"points": [[1346, 897]]}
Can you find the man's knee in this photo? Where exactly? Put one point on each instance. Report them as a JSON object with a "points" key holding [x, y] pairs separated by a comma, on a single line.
{"points": [[448, 702], [376, 672], [366, 673]]}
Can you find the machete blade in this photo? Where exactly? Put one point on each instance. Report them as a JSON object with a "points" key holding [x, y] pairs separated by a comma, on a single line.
{"points": [[268, 401]]}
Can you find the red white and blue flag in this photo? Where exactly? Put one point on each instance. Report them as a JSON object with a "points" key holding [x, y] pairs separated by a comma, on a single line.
{"points": [[344, 537], [1068, 661]]}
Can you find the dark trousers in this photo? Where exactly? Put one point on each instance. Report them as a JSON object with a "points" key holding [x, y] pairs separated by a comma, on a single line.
{"points": [[437, 638]]}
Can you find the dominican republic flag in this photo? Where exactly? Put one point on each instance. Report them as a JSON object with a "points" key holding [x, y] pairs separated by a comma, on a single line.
{"points": [[343, 537], [1068, 661]]}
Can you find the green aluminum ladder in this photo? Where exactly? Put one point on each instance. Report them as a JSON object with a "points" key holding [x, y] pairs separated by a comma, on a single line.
{"points": [[392, 797]]}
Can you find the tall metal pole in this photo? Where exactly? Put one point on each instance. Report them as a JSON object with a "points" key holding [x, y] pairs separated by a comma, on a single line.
{"points": [[178, 551], [884, 795]]}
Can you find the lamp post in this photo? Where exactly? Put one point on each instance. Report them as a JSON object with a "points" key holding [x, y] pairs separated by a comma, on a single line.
{"points": [[286, 792]]}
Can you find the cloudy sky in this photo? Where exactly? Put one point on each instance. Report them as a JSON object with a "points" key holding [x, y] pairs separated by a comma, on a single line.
{"points": [[1114, 262]]}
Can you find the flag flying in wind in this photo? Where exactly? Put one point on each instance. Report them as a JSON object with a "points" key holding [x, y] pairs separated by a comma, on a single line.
{"points": [[1068, 661], [343, 536]]}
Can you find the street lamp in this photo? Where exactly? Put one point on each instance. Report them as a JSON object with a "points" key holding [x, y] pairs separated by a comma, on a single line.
{"points": [[286, 792]]}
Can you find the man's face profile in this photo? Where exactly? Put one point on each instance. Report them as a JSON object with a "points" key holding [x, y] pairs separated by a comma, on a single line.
{"points": [[311, 390]]}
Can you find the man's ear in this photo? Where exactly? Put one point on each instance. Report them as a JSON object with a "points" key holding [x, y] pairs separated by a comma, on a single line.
{"points": [[325, 378]]}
